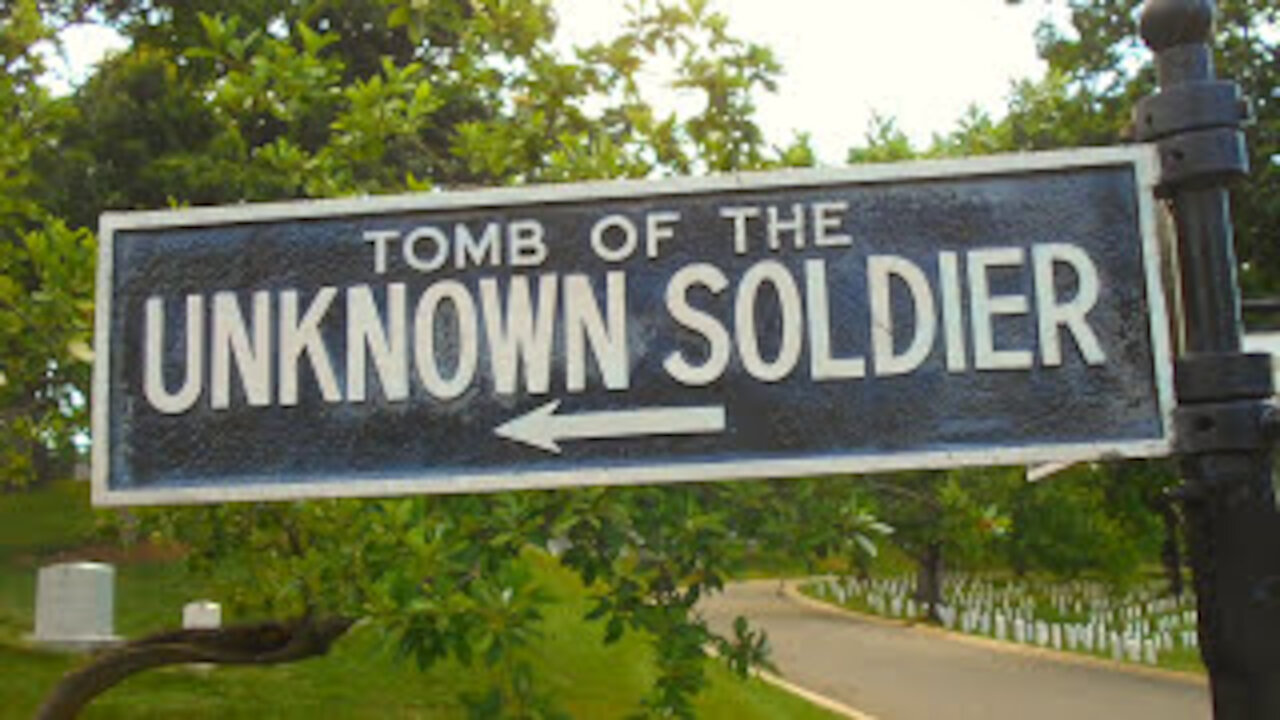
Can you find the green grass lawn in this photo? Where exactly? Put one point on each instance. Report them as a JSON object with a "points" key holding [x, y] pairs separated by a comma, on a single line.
{"points": [[358, 679]]}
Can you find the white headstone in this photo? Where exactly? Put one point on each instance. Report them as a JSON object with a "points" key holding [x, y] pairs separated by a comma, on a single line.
{"points": [[948, 616], [75, 606], [201, 615], [1133, 649], [1149, 652]]}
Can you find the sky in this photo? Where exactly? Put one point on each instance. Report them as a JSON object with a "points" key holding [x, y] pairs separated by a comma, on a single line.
{"points": [[921, 62]]}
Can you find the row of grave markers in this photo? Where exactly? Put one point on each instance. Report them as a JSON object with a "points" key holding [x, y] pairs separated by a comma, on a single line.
{"points": [[1137, 626]]}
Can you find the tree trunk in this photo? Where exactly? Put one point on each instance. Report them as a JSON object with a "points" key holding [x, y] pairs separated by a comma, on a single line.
{"points": [[929, 580], [863, 567], [41, 464], [1019, 563], [266, 643], [1171, 551]]}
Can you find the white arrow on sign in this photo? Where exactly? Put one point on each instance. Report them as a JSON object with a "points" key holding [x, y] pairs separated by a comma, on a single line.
{"points": [[543, 428]]}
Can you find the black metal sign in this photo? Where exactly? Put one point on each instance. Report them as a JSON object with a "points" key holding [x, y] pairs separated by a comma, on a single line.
{"points": [[1003, 310]]}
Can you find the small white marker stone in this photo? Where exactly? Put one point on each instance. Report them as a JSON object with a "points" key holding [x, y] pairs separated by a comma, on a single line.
{"points": [[201, 615]]}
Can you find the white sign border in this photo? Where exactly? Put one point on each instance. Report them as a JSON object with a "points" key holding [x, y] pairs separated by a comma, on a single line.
{"points": [[1143, 159]]}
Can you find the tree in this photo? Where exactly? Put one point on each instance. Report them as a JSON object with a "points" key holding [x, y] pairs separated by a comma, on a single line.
{"points": [[1111, 517], [1104, 520], [1098, 69], [936, 516], [46, 274], [271, 99], [809, 522]]}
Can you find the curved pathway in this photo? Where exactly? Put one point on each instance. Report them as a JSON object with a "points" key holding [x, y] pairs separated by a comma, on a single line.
{"points": [[892, 671]]}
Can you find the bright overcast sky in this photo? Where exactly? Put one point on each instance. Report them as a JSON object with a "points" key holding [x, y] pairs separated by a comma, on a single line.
{"points": [[921, 62]]}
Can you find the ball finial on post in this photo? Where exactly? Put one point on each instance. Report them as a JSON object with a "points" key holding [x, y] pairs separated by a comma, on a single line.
{"points": [[1168, 23]]}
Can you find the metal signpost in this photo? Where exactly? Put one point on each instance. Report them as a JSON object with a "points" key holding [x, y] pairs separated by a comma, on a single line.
{"points": [[993, 311], [1225, 428]]}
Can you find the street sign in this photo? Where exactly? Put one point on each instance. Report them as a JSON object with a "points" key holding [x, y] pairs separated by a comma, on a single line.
{"points": [[1003, 310]]}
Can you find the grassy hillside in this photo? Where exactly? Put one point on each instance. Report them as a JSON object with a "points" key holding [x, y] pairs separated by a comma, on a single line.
{"points": [[359, 679]]}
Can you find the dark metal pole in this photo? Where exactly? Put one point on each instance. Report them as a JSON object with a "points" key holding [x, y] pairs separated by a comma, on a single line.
{"points": [[1224, 423]]}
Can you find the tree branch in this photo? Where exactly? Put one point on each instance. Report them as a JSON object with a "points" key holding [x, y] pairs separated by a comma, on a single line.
{"points": [[266, 643]]}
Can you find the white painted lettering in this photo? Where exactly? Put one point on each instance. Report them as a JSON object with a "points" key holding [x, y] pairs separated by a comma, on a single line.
{"points": [[367, 337], [795, 225], [773, 273], [379, 239], [252, 359], [880, 271], [985, 307], [153, 353], [303, 336], [526, 243], [826, 218], [585, 327], [717, 338], [474, 251], [659, 227], [467, 340], [624, 230], [517, 335], [1053, 315], [822, 365], [740, 215], [952, 312], [431, 262]]}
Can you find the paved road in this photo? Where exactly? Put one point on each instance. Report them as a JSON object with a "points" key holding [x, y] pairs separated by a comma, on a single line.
{"points": [[899, 673]]}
